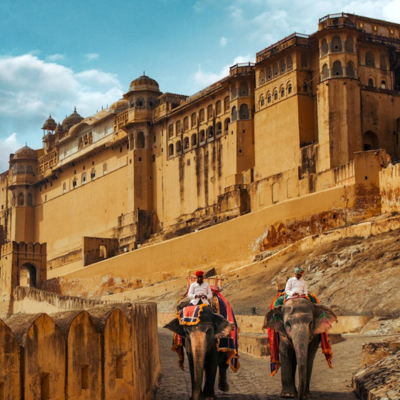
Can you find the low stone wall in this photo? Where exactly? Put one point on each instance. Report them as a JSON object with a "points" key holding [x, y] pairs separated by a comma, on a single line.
{"points": [[381, 374], [106, 353]]}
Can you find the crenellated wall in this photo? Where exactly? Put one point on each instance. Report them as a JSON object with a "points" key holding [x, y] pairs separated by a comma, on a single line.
{"points": [[105, 353]]}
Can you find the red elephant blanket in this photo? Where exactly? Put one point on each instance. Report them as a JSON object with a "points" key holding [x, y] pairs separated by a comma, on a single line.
{"points": [[274, 341]]}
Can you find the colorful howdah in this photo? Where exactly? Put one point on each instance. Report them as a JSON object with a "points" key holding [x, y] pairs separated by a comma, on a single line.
{"points": [[191, 316]]}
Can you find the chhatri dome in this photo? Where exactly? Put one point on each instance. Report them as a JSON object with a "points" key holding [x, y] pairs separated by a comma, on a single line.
{"points": [[144, 83], [50, 124], [25, 153], [72, 120]]}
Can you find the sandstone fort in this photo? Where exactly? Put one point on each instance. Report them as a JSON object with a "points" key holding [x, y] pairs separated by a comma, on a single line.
{"points": [[301, 142]]}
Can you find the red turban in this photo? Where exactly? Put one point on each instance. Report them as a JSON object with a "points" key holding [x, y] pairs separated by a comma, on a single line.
{"points": [[199, 273]]}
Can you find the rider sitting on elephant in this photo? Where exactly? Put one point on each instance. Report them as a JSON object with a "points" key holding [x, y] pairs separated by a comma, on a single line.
{"points": [[296, 286], [200, 291]]}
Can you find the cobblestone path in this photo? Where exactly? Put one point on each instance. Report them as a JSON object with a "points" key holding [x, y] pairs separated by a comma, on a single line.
{"points": [[252, 381]]}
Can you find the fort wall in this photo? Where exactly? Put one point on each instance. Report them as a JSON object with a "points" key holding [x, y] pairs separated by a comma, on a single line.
{"points": [[117, 358]]}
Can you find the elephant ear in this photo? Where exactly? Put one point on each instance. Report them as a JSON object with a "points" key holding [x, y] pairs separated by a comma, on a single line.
{"points": [[222, 327], [323, 317], [176, 327], [274, 320]]}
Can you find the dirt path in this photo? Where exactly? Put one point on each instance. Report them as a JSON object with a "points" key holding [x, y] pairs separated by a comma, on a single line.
{"points": [[252, 381]]}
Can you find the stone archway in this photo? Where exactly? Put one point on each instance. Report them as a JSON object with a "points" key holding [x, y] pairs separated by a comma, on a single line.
{"points": [[370, 141], [28, 275]]}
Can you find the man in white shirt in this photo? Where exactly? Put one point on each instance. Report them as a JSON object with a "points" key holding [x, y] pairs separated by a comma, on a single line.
{"points": [[200, 291], [296, 286]]}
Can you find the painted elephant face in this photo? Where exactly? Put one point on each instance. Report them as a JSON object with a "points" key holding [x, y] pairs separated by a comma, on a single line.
{"points": [[300, 314]]}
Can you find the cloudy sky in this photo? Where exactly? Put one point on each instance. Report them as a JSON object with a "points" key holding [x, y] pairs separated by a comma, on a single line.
{"points": [[58, 54]]}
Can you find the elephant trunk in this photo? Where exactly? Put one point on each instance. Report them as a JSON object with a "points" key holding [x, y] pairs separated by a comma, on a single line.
{"points": [[199, 346], [300, 343]]}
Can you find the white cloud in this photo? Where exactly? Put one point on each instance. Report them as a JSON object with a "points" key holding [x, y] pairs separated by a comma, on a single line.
{"points": [[31, 89], [7, 146], [223, 41], [55, 57], [203, 79], [91, 56]]}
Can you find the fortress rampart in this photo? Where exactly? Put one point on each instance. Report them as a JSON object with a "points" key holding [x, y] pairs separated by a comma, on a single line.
{"points": [[105, 353]]}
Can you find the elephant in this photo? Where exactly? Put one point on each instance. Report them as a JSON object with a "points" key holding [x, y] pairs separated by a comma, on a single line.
{"points": [[298, 322], [202, 353]]}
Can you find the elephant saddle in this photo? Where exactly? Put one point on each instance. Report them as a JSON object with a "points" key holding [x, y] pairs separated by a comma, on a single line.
{"points": [[190, 315]]}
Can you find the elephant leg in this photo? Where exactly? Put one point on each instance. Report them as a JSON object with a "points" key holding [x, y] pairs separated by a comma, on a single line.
{"points": [[223, 384], [211, 366], [312, 351], [288, 370]]}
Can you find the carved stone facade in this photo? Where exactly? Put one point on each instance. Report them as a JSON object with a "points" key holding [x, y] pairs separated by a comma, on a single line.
{"points": [[155, 165]]}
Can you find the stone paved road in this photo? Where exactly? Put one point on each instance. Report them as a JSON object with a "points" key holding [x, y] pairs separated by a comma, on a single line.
{"points": [[252, 381]]}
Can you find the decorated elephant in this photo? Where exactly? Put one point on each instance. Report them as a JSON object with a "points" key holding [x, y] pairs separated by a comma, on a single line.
{"points": [[299, 323], [201, 338]]}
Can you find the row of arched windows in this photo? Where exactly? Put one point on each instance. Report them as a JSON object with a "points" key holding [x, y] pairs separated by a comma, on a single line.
{"points": [[336, 45], [19, 199], [204, 136], [195, 119], [338, 71], [278, 68], [275, 94], [242, 91], [243, 112], [370, 60], [20, 169], [142, 102]]}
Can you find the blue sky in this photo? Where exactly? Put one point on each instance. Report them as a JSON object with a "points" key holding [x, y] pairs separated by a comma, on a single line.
{"points": [[58, 54]]}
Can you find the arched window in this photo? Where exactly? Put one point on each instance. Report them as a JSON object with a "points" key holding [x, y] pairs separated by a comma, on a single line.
{"points": [[282, 91], [83, 178], [369, 59], [186, 123], [202, 136], [29, 170], [140, 102], [262, 77], [210, 112], [305, 87], [383, 61], [64, 187], [337, 69], [219, 128], [325, 72], [269, 73], [104, 168], [28, 276], [349, 45], [275, 94], [350, 70], [226, 104], [289, 63], [171, 130], [324, 47], [186, 143], [371, 82], [383, 84], [178, 147], [194, 139], [93, 174], [171, 150], [74, 183], [262, 100], [336, 44], [178, 127], [210, 132], [282, 66], [29, 199], [234, 113], [276, 69], [289, 88], [244, 89], [194, 120], [218, 107], [226, 124], [140, 140], [269, 99], [244, 111], [201, 115], [370, 141]]}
